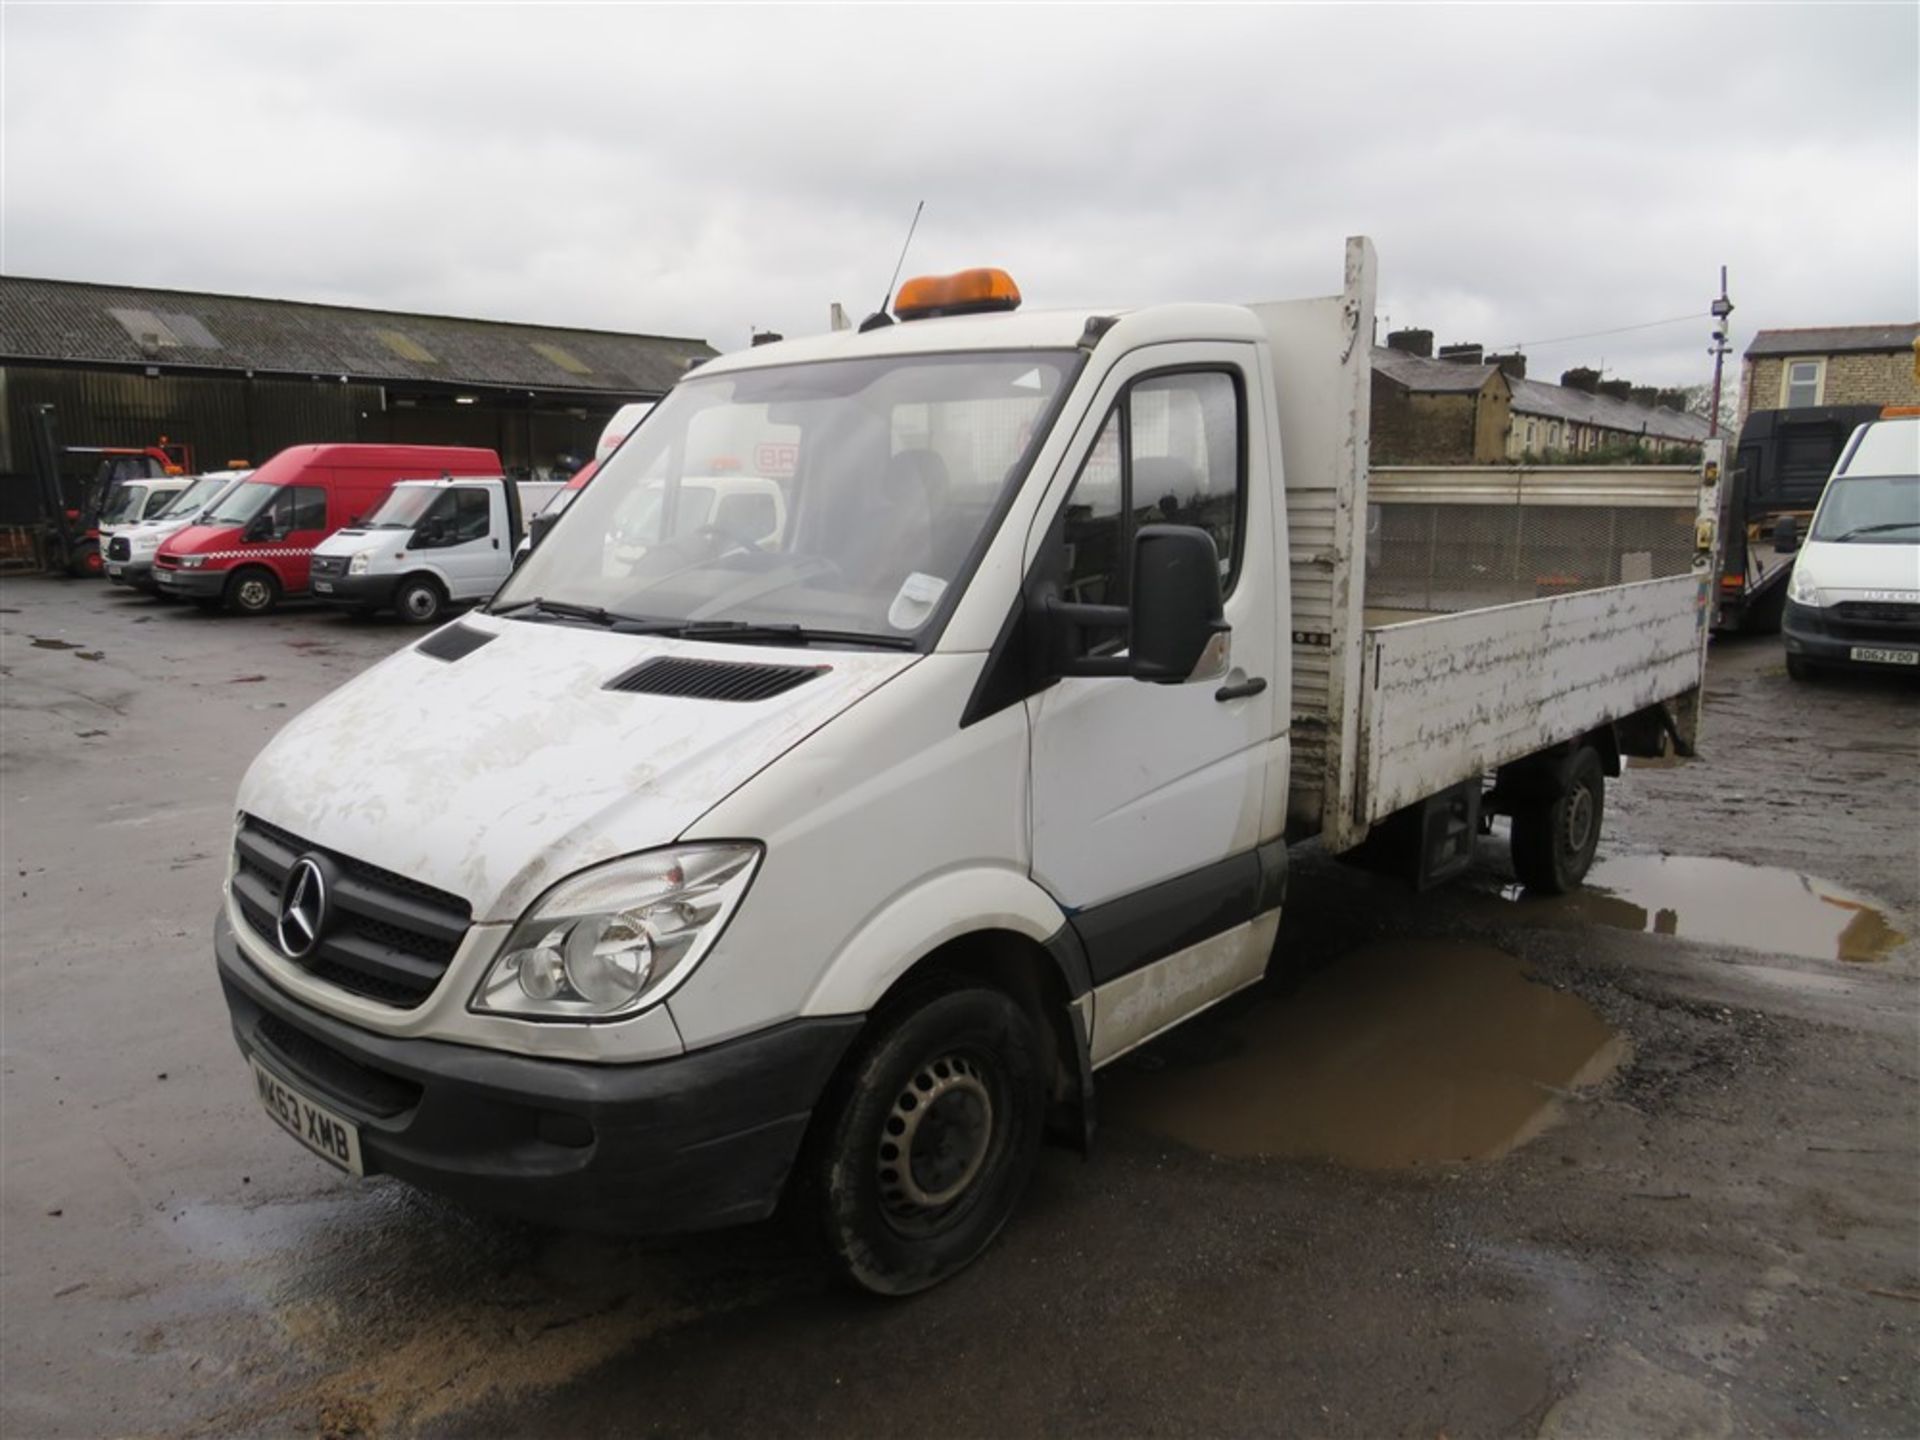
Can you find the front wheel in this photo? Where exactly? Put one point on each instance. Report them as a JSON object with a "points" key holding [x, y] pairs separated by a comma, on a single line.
{"points": [[420, 600], [1800, 668], [929, 1139], [252, 592], [85, 562], [1554, 839]]}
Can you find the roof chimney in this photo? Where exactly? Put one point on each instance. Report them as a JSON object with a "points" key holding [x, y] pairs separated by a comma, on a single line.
{"points": [[1462, 354], [1411, 342], [1581, 378], [1513, 366]]}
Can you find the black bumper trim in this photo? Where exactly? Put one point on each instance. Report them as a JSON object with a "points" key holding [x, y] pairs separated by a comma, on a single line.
{"points": [[199, 584], [374, 592], [1808, 632], [697, 1141]]}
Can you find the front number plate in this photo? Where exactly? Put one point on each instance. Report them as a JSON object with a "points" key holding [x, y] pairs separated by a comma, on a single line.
{"points": [[314, 1126], [324, 587], [1884, 657]]}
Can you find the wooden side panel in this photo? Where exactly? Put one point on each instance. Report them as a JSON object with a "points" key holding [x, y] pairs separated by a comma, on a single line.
{"points": [[1455, 696]]}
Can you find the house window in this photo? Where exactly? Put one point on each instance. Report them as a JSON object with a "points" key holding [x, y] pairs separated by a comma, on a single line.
{"points": [[1802, 383], [1529, 434]]}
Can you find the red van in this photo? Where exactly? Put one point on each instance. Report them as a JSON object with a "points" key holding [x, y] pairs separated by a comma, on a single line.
{"points": [[254, 548]]}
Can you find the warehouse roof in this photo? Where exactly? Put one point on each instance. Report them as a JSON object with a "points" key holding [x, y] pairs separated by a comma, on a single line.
{"points": [[1834, 340], [78, 323], [1430, 377], [1563, 402]]}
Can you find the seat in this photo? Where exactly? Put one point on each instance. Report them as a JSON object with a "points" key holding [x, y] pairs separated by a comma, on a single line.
{"points": [[897, 538]]}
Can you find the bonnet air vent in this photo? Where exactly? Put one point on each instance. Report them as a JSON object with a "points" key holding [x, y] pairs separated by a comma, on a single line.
{"points": [[713, 679], [453, 642]]}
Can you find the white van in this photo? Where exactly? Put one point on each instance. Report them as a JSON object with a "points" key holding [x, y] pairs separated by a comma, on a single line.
{"points": [[699, 872], [129, 549], [1854, 597], [429, 544]]}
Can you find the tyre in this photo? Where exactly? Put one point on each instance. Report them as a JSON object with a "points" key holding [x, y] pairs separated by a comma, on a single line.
{"points": [[85, 562], [1801, 668], [252, 592], [923, 1147], [420, 600], [1554, 840]]}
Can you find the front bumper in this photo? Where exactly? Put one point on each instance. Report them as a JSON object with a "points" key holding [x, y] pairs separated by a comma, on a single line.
{"points": [[1813, 633], [369, 592], [136, 573], [193, 584], [699, 1141]]}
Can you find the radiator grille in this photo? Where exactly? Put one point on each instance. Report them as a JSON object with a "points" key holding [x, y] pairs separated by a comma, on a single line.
{"points": [[386, 937]]}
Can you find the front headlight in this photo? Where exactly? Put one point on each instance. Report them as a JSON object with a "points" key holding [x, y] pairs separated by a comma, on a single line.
{"points": [[1803, 591], [615, 939], [192, 562]]}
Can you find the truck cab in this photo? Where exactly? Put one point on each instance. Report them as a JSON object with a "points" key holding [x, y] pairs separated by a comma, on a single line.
{"points": [[1853, 601], [130, 549], [428, 545], [832, 862]]}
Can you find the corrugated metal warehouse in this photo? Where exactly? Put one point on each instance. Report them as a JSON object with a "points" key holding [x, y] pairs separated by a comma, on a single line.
{"points": [[239, 378]]}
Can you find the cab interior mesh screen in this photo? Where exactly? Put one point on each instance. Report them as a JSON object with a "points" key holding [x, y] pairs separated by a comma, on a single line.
{"points": [[713, 679]]}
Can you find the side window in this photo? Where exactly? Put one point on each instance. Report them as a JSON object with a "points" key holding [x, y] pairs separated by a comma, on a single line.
{"points": [[158, 501], [1168, 454], [472, 514], [309, 508]]}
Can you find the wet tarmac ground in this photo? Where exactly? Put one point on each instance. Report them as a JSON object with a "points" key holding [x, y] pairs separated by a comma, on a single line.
{"points": [[1641, 1161]]}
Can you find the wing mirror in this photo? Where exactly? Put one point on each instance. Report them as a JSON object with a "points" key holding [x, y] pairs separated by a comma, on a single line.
{"points": [[1174, 625], [1786, 535]]}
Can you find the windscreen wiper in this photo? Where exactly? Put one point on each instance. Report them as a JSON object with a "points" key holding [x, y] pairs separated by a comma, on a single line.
{"points": [[560, 608], [1880, 529], [749, 632]]}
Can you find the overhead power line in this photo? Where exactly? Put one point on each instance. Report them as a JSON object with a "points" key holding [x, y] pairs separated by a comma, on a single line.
{"points": [[1596, 334]]}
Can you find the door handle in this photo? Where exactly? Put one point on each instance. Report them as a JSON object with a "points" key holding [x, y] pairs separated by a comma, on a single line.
{"points": [[496, 542], [1251, 686]]}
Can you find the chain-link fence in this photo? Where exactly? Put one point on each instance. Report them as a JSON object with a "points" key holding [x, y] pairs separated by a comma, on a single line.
{"points": [[1440, 541]]}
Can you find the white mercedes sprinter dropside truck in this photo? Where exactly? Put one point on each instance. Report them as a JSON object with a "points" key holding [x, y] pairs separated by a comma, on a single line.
{"points": [[830, 868]]}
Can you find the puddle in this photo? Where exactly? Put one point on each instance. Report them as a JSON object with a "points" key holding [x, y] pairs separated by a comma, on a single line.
{"points": [[1398, 1055], [1722, 902], [40, 643]]}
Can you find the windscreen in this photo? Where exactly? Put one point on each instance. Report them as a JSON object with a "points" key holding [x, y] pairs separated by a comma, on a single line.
{"points": [[847, 496], [196, 497], [1870, 510], [402, 508], [242, 503], [123, 504]]}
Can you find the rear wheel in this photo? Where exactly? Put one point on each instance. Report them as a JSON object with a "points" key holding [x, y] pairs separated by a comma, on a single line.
{"points": [[929, 1139], [420, 600], [252, 592], [1554, 838]]}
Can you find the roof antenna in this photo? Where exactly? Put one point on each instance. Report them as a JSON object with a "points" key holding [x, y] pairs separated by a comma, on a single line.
{"points": [[880, 317]]}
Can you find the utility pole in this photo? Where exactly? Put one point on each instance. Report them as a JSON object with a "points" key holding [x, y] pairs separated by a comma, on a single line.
{"points": [[1720, 309]]}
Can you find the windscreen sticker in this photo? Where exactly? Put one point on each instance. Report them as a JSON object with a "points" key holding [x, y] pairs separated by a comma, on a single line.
{"points": [[918, 595]]}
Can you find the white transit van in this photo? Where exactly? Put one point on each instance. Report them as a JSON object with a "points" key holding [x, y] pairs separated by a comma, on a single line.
{"points": [[429, 544], [830, 871], [1854, 597], [129, 549]]}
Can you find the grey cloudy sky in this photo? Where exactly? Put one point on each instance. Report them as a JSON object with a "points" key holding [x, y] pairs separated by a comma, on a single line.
{"points": [[1527, 172]]}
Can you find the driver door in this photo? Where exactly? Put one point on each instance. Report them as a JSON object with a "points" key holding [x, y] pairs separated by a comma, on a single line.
{"points": [[1147, 801]]}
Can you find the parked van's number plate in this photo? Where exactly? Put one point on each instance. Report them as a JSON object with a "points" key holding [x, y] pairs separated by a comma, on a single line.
{"points": [[324, 587], [1884, 657], [314, 1126]]}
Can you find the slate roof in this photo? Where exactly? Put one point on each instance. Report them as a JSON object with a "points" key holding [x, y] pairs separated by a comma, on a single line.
{"points": [[1834, 340], [1561, 402], [61, 320], [1430, 377]]}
